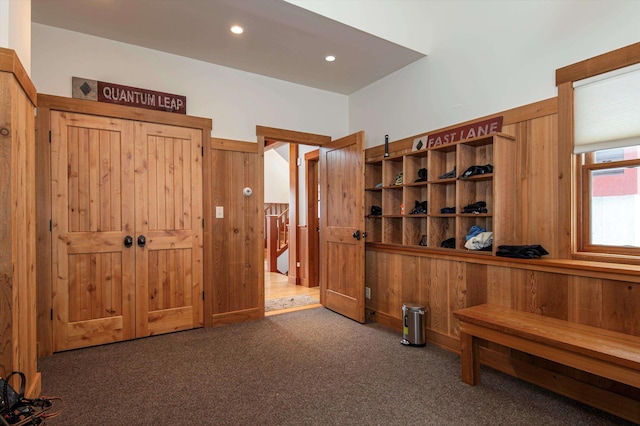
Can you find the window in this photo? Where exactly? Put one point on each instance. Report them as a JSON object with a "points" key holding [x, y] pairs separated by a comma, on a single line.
{"points": [[610, 200], [599, 122]]}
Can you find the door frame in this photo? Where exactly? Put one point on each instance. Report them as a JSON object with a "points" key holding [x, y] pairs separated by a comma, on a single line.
{"points": [[312, 180], [294, 138]]}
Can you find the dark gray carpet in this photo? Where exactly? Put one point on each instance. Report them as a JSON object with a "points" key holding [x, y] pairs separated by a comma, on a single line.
{"points": [[310, 367]]}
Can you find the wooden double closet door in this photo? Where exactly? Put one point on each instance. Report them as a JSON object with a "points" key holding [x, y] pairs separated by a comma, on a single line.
{"points": [[126, 229]]}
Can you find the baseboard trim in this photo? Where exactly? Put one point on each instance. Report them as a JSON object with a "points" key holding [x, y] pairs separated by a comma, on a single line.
{"points": [[234, 317]]}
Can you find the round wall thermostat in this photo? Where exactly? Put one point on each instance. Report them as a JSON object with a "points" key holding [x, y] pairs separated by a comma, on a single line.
{"points": [[247, 191]]}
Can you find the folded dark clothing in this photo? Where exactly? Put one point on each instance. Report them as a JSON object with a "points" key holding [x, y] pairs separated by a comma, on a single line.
{"points": [[448, 175], [376, 210], [522, 252], [448, 243], [477, 170], [448, 210], [479, 207]]}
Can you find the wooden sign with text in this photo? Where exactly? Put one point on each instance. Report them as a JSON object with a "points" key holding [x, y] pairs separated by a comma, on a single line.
{"points": [[101, 91], [470, 131]]}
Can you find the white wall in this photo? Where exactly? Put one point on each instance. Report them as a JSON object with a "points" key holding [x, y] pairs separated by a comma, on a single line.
{"points": [[488, 56], [403, 22], [276, 178], [15, 29], [237, 101]]}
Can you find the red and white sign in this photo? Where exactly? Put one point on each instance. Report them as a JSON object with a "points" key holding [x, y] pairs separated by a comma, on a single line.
{"points": [[470, 131], [125, 95]]}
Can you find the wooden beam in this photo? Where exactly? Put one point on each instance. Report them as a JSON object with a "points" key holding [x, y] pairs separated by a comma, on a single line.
{"points": [[125, 112], [600, 64], [233, 145], [9, 62], [291, 136]]}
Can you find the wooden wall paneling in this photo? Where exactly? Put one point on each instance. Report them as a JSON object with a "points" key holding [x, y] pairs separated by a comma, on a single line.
{"points": [[540, 205], [415, 283], [18, 311], [584, 302], [541, 293], [384, 275], [374, 280], [499, 286], [621, 306], [234, 254], [439, 295]]}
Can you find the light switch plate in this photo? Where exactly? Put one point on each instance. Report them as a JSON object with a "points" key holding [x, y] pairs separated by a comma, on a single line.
{"points": [[219, 212]]}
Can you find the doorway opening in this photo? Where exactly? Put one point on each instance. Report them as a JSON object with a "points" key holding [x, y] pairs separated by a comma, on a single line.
{"points": [[291, 227]]}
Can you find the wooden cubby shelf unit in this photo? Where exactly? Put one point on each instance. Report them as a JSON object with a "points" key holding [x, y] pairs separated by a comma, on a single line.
{"points": [[396, 224]]}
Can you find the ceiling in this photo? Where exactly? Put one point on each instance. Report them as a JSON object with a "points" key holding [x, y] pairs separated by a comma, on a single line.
{"points": [[280, 40]]}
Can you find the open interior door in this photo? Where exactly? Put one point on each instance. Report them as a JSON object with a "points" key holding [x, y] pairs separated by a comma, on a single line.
{"points": [[342, 226]]}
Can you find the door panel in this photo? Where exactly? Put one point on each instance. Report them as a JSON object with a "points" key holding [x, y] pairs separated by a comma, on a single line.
{"points": [[169, 216], [92, 173], [342, 214]]}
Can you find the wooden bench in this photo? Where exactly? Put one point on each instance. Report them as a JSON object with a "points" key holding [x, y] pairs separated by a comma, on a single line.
{"points": [[605, 353]]}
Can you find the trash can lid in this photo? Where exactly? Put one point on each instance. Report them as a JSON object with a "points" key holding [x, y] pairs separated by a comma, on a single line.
{"points": [[412, 306]]}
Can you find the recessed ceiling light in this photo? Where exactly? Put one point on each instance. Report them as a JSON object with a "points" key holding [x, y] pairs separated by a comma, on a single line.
{"points": [[236, 29], [330, 58]]}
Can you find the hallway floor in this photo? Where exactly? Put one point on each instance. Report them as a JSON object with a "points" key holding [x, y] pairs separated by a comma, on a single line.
{"points": [[277, 286]]}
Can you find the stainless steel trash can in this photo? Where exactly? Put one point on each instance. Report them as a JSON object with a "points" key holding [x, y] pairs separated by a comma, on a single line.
{"points": [[413, 325]]}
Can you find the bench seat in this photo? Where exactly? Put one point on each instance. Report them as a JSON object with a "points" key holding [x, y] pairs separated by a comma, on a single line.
{"points": [[605, 353]]}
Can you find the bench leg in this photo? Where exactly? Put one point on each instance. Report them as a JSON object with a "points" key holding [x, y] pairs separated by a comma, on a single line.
{"points": [[470, 360]]}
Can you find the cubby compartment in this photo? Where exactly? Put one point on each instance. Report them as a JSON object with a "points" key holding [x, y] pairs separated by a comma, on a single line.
{"points": [[415, 230], [413, 193], [392, 201], [392, 230], [475, 189], [442, 194], [440, 229], [373, 175], [372, 197], [442, 160], [464, 225], [478, 152], [412, 165], [391, 168], [373, 227]]}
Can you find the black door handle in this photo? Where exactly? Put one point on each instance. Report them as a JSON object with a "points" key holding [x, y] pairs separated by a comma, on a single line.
{"points": [[356, 235], [142, 241], [364, 235], [128, 241]]}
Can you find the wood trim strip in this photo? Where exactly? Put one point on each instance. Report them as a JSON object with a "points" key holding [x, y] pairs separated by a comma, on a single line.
{"points": [[291, 136], [515, 115], [245, 315], [600, 64], [233, 145], [610, 271], [312, 155], [9, 62], [82, 106]]}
